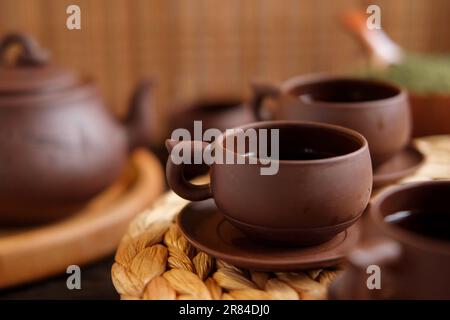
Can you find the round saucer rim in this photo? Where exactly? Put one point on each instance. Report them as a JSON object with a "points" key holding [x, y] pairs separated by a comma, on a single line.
{"points": [[349, 222], [352, 233], [380, 180]]}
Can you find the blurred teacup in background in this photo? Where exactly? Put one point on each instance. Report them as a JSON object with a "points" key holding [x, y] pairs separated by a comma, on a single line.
{"points": [[220, 113], [213, 113], [378, 110]]}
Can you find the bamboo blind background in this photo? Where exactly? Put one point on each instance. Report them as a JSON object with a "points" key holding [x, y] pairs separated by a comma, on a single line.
{"points": [[198, 48]]}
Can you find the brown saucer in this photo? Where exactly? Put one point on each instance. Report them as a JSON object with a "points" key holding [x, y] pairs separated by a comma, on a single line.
{"points": [[401, 165], [206, 229]]}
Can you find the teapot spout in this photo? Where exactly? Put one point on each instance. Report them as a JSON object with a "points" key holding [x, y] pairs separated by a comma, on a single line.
{"points": [[139, 120]]}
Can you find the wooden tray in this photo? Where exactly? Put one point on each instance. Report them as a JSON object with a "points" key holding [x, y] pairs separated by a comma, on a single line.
{"points": [[95, 231], [154, 261]]}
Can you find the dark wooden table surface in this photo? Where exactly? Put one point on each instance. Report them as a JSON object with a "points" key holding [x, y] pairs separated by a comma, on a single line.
{"points": [[95, 284]]}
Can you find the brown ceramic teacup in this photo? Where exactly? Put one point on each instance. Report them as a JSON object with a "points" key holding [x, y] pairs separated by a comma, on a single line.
{"points": [[322, 185], [409, 240], [378, 110]]}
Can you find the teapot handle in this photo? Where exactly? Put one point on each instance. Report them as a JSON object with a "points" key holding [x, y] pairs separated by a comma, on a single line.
{"points": [[139, 120], [31, 54]]}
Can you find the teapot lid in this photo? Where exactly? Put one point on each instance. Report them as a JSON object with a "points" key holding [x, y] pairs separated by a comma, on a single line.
{"points": [[31, 71]]}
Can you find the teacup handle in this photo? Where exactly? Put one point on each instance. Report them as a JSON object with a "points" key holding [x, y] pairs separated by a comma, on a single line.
{"points": [[175, 172], [383, 253], [261, 91]]}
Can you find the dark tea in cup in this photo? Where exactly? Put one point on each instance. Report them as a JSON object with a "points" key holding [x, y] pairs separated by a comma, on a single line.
{"points": [[429, 223]]}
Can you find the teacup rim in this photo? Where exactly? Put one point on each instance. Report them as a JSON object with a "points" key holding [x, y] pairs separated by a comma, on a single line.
{"points": [[310, 78], [399, 234], [265, 124]]}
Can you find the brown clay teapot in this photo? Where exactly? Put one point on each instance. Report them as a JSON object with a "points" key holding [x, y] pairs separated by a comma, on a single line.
{"points": [[59, 146]]}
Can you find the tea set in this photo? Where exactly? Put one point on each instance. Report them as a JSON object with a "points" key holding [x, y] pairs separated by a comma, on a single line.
{"points": [[339, 137], [308, 215]]}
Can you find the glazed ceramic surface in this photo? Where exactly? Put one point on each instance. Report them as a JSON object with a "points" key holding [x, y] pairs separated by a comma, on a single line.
{"points": [[413, 266], [378, 110], [59, 144], [306, 202], [197, 220]]}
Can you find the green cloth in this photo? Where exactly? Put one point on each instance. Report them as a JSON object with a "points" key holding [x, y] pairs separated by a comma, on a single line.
{"points": [[424, 74]]}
